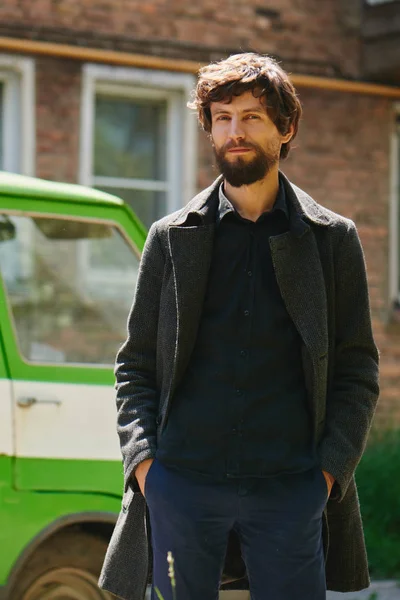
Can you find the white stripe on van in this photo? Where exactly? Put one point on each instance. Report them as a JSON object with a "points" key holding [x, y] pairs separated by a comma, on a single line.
{"points": [[61, 420]]}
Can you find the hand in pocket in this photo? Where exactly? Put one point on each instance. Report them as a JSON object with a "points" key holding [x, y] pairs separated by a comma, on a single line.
{"points": [[330, 480], [141, 472]]}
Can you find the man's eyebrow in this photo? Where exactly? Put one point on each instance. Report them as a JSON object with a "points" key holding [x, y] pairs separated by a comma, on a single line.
{"points": [[216, 111], [257, 109]]}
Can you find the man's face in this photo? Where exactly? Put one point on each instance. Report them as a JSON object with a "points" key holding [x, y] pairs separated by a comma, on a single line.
{"points": [[246, 142]]}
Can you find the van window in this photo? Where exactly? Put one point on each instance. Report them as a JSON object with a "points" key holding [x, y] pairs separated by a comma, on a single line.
{"points": [[63, 312]]}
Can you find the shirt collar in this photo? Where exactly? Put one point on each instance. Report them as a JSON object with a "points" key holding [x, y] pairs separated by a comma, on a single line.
{"points": [[225, 206]]}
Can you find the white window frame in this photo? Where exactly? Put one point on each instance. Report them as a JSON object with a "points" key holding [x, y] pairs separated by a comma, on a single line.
{"points": [[17, 74], [394, 212], [181, 149]]}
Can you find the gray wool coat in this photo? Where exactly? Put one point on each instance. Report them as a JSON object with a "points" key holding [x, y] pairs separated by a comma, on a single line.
{"points": [[320, 271]]}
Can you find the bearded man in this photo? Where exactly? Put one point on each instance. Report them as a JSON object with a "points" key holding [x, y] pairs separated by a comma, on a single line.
{"points": [[249, 379]]}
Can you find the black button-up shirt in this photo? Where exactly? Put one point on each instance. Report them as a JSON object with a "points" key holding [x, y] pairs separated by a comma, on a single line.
{"points": [[241, 409]]}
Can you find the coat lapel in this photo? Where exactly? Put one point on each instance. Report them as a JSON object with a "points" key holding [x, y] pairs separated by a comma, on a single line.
{"points": [[300, 278], [191, 239], [191, 251]]}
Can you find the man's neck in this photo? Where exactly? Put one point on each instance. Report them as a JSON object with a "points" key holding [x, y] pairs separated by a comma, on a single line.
{"points": [[251, 201]]}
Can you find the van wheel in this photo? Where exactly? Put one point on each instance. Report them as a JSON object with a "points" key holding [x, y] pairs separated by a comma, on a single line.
{"points": [[66, 567]]}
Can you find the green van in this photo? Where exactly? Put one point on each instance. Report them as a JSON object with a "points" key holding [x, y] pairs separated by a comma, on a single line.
{"points": [[69, 258]]}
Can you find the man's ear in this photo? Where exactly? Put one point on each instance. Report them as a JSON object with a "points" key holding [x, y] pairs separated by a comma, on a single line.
{"points": [[288, 136]]}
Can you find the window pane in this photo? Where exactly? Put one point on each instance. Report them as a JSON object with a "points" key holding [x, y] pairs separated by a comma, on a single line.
{"points": [[147, 205], [1, 124], [130, 138], [70, 285]]}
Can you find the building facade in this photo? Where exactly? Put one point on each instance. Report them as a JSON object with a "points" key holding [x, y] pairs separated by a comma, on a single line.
{"points": [[95, 92]]}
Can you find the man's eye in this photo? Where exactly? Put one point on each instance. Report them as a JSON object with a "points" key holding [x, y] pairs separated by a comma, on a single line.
{"points": [[253, 117], [222, 118]]}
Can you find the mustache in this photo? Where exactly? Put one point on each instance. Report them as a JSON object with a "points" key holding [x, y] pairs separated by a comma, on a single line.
{"points": [[233, 145]]}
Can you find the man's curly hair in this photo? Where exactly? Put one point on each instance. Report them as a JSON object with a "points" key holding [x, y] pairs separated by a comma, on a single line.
{"points": [[219, 82]]}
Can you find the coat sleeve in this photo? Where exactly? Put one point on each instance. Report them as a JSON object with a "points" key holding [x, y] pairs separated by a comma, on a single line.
{"points": [[354, 391], [135, 370]]}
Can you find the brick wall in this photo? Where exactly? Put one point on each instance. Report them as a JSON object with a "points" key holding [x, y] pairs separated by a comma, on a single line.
{"points": [[58, 96], [323, 43]]}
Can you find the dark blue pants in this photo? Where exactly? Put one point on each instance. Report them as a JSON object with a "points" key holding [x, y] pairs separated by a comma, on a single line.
{"points": [[278, 520]]}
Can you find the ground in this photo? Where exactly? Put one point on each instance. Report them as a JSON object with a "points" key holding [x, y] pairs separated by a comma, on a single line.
{"points": [[383, 590]]}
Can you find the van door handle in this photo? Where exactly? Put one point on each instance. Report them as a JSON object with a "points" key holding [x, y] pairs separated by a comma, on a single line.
{"points": [[28, 401]]}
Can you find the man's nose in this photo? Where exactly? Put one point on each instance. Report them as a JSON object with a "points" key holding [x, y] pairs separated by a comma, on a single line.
{"points": [[236, 130]]}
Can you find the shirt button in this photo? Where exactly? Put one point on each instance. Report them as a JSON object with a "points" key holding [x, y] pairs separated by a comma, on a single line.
{"points": [[246, 313], [249, 273], [234, 430], [243, 353], [239, 392]]}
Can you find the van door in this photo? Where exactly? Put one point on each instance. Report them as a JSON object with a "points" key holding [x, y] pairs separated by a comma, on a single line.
{"points": [[68, 283]]}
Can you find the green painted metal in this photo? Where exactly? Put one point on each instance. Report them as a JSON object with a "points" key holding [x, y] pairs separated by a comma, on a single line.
{"points": [[120, 213], [33, 187], [45, 474], [24, 515], [6, 468], [122, 217]]}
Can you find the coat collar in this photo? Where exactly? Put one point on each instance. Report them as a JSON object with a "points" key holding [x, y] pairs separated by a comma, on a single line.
{"points": [[202, 209]]}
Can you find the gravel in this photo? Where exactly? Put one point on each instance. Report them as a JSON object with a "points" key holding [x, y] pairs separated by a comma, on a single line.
{"points": [[379, 590]]}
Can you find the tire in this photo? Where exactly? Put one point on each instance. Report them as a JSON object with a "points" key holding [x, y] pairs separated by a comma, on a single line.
{"points": [[66, 567]]}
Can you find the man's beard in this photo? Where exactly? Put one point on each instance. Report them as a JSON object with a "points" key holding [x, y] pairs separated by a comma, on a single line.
{"points": [[240, 171]]}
